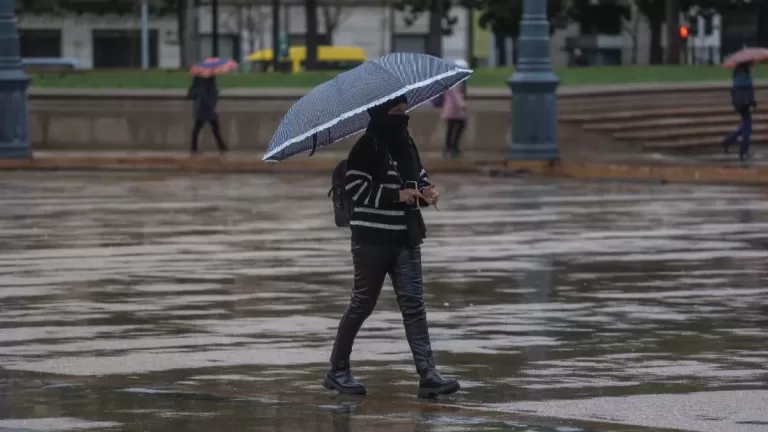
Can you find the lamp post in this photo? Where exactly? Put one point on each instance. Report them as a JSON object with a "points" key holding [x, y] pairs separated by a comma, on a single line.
{"points": [[534, 87], [14, 140]]}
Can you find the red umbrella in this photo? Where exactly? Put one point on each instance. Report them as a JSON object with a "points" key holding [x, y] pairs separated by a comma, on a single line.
{"points": [[213, 66], [746, 55]]}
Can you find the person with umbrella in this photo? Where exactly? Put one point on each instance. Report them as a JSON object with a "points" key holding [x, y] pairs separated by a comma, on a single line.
{"points": [[743, 95], [387, 185], [455, 115], [383, 187], [205, 94], [743, 101]]}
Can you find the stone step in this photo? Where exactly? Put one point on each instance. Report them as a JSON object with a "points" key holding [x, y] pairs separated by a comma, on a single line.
{"points": [[598, 104], [634, 114], [669, 122], [699, 142], [671, 133], [645, 100]]}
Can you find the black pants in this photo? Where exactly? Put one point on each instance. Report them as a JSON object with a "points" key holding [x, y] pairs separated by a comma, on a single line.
{"points": [[216, 134], [372, 264], [454, 129]]}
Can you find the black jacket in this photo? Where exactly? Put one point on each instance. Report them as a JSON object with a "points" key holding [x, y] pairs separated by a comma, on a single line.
{"points": [[373, 184], [743, 90], [205, 94]]}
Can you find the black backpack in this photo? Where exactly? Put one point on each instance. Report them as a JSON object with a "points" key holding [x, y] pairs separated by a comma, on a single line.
{"points": [[342, 205], [438, 101]]}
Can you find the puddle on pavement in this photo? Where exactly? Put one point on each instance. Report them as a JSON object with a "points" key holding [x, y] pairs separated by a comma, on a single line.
{"points": [[203, 303]]}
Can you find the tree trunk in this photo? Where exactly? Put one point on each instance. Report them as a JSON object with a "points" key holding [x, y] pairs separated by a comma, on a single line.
{"points": [[501, 49], [191, 35], [331, 18], [311, 33], [435, 36], [215, 27], [673, 28], [181, 31], [275, 35], [657, 51]]}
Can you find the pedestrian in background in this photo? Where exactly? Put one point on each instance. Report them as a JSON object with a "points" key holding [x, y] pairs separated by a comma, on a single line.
{"points": [[455, 115], [743, 100], [205, 93]]}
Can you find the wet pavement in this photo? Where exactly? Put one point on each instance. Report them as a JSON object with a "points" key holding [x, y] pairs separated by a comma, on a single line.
{"points": [[203, 303]]}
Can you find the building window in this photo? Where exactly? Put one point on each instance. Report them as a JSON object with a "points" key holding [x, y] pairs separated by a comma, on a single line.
{"points": [[413, 43], [229, 46], [301, 39], [601, 18], [40, 43], [121, 49]]}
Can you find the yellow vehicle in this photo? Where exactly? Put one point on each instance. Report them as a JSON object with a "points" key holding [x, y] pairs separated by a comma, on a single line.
{"points": [[328, 57]]}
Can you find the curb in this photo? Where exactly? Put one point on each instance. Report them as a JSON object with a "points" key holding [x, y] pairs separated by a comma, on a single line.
{"points": [[663, 173], [201, 164]]}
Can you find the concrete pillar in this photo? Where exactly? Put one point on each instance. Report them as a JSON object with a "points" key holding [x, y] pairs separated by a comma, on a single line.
{"points": [[14, 139], [534, 87]]}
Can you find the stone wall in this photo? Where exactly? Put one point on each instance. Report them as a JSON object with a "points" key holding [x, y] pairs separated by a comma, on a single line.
{"points": [[163, 122]]}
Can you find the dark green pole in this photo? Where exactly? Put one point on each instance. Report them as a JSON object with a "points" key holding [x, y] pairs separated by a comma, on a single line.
{"points": [[14, 138], [534, 89]]}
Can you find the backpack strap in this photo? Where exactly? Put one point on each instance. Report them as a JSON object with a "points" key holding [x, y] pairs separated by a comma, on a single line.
{"points": [[314, 145]]}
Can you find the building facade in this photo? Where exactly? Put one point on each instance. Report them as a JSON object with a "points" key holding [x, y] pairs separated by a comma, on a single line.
{"points": [[113, 41]]}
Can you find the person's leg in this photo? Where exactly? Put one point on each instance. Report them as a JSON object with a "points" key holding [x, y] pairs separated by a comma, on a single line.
{"points": [[371, 264], [746, 132], [408, 284], [217, 134], [460, 125], [196, 134], [734, 136], [449, 129]]}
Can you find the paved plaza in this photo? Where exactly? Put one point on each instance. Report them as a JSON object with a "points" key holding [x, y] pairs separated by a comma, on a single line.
{"points": [[155, 302]]}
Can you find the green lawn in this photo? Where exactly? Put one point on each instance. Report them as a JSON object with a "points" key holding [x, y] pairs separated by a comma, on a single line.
{"points": [[481, 78]]}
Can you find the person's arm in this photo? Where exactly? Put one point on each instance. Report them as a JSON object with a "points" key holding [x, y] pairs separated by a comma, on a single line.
{"points": [[423, 177], [363, 181], [193, 89], [459, 96]]}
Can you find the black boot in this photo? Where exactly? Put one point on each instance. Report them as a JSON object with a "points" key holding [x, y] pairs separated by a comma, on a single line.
{"points": [[432, 385], [726, 146], [342, 381]]}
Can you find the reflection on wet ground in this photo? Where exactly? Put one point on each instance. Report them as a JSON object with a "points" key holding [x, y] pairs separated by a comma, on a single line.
{"points": [[143, 302]]}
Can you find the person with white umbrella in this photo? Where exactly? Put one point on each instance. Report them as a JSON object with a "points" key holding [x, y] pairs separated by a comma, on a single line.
{"points": [[388, 186], [378, 193]]}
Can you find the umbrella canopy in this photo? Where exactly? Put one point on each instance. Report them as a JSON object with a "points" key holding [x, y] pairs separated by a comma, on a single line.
{"points": [[337, 108], [213, 66], [746, 55]]}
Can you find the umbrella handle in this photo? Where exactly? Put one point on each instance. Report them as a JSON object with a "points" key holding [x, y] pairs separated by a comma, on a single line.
{"points": [[314, 145]]}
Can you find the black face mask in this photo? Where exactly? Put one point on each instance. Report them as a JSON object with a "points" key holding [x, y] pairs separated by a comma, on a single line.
{"points": [[393, 125]]}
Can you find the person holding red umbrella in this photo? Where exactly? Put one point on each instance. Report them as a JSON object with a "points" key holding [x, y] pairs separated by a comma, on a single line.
{"points": [[205, 93], [743, 95], [743, 100]]}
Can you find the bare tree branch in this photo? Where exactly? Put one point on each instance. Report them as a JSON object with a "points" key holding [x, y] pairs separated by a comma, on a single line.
{"points": [[334, 12]]}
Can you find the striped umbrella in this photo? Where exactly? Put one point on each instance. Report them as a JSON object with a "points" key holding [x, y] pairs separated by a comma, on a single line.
{"points": [[213, 66], [337, 108]]}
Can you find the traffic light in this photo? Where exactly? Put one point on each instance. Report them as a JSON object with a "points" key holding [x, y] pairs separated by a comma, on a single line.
{"points": [[685, 31]]}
